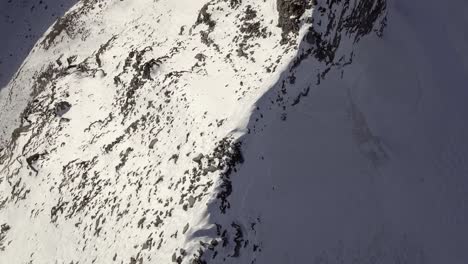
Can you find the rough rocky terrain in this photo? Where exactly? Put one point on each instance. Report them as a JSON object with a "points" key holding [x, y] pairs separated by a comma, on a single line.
{"points": [[239, 131]]}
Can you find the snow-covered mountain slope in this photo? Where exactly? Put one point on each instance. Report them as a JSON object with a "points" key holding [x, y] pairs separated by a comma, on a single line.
{"points": [[276, 131], [22, 23]]}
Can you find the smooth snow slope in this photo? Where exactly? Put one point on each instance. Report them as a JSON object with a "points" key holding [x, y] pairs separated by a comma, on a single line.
{"points": [[180, 133], [371, 166]]}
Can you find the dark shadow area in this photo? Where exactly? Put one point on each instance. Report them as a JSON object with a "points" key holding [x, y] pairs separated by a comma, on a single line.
{"points": [[22, 23], [365, 168]]}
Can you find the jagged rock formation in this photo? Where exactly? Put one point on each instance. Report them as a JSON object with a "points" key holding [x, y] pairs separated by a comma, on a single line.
{"points": [[290, 12], [230, 132]]}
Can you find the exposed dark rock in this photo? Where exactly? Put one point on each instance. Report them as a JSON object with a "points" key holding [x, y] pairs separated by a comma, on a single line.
{"points": [[174, 157], [290, 12], [191, 201], [31, 160], [235, 3], [198, 158], [186, 227], [238, 239], [200, 57], [153, 143], [357, 21], [62, 108], [230, 155], [69, 23], [102, 49], [123, 158], [204, 17], [17, 132], [147, 67], [3, 232]]}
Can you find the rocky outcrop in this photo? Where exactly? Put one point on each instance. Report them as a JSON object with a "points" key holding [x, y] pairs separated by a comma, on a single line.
{"points": [[289, 13], [333, 22]]}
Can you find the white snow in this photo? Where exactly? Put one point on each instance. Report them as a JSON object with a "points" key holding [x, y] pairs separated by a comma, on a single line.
{"points": [[369, 166]]}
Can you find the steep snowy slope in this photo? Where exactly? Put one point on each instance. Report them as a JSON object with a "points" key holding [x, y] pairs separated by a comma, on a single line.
{"points": [[368, 164], [277, 131], [22, 23], [123, 121]]}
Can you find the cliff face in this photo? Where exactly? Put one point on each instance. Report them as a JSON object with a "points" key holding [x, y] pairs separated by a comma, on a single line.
{"points": [[290, 12], [238, 132]]}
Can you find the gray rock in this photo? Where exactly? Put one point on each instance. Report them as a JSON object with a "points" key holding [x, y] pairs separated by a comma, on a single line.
{"points": [[289, 13], [198, 158], [153, 143]]}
